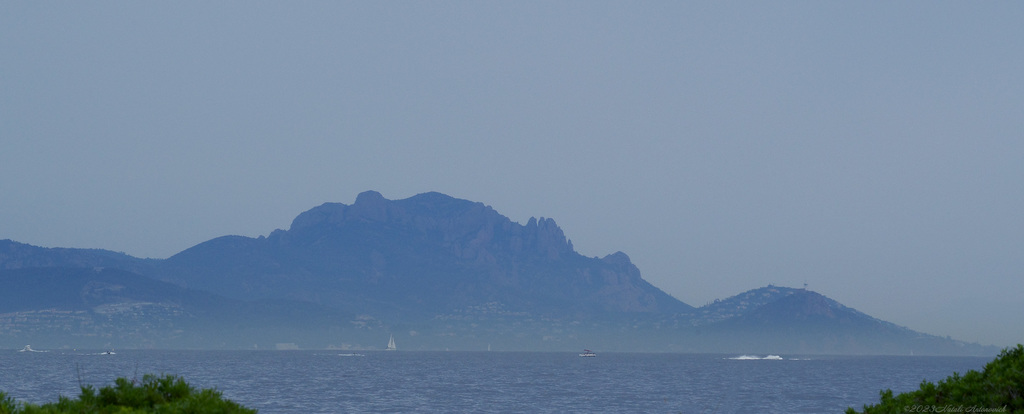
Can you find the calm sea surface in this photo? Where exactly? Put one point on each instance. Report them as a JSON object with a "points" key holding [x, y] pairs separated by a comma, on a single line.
{"points": [[498, 382]]}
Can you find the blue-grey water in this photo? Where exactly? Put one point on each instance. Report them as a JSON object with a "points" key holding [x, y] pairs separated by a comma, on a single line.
{"points": [[497, 382]]}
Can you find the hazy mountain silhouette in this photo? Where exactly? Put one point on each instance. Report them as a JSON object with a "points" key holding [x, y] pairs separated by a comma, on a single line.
{"points": [[14, 255], [436, 271], [803, 321], [108, 307], [424, 255]]}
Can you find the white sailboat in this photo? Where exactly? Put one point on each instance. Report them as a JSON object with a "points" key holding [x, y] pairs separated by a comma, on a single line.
{"points": [[391, 344]]}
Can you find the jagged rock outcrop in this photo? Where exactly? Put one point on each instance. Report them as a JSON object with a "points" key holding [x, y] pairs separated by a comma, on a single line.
{"points": [[427, 254], [470, 230]]}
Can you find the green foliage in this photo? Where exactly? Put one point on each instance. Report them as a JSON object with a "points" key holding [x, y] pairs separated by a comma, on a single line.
{"points": [[7, 405], [160, 395], [997, 388]]}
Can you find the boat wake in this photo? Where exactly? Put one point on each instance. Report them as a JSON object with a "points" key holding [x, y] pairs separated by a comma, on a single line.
{"points": [[753, 357]]}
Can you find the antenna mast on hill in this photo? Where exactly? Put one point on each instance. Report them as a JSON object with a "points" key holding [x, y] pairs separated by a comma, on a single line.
{"points": [[805, 285]]}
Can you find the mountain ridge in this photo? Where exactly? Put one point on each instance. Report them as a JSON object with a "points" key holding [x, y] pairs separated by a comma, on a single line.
{"points": [[109, 307], [450, 274], [463, 253]]}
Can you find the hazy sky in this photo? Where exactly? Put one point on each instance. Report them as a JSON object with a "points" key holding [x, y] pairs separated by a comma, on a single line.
{"points": [[874, 150]]}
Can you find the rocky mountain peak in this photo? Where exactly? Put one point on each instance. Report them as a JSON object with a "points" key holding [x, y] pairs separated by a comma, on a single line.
{"points": [[471, 229], [370, 206], [431, 251], [369, 197], [546, 237], [618, 259]]}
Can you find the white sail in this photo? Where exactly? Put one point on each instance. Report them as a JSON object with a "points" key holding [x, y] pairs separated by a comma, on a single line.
{"points": [[391, 344]]}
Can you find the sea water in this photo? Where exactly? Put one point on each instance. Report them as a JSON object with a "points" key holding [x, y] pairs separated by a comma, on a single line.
{"points": [[492, 382]]}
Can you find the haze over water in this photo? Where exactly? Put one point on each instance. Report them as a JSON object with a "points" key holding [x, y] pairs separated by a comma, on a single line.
{"points": [[869, 149], [450, 382]]}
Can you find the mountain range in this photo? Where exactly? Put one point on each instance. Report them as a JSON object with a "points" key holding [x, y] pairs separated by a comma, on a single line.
{"points": [[435, 271]]}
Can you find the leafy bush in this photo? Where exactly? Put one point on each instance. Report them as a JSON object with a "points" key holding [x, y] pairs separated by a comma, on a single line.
{"points": [[998, 388], [164, 395]]}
